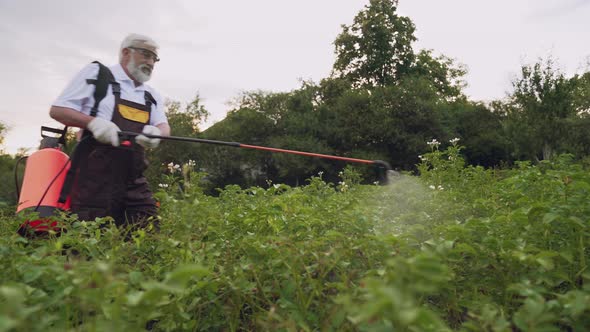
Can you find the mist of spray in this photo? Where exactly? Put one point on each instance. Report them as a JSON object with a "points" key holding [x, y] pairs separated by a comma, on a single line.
{"points": [[406, 205]]}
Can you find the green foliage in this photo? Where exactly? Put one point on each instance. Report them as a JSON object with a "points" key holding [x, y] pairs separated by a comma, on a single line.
{"points": [[184, 122], [540, 111], [376, 50], [7, 178], [443, 73], [252, 123], [390, 123], [481, 130], [382, 102], [582, 93], [2, 133], [458, 248]]}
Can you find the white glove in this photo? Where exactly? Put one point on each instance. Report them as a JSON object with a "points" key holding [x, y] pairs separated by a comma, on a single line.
{"points": [[147, 142], [104, 131]]}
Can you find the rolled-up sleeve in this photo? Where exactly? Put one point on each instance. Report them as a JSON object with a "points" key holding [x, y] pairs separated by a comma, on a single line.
{"points": [[78, 92]]}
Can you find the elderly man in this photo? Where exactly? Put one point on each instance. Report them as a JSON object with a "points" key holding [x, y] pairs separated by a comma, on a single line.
{"points": [[109, 179]]}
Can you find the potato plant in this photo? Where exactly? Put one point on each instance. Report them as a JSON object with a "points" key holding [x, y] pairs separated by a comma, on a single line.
{"points": [[456, 248]]}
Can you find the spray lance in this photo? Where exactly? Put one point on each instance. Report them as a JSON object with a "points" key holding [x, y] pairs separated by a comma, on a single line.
{"points": [[50, 173], [383, 167]]}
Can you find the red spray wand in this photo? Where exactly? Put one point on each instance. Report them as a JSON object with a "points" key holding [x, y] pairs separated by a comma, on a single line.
{"points": [[382, 166]]}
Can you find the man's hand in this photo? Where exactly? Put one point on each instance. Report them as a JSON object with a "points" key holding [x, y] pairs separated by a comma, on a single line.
{"points": [[104, 131], [147, 142]]}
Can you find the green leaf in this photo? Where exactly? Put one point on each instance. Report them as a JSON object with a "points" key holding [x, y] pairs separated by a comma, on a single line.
{"points": [[545, 259], [578, 222], [181, 275], [13, 294], [550, 217], [546, 263], [576, 302], [7, 323]]}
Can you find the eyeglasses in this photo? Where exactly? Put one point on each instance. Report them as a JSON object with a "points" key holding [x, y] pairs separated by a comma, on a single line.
{"points": [[146, 53]]}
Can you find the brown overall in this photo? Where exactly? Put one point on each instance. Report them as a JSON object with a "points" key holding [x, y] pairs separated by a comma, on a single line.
{"points": [[110, 180]]}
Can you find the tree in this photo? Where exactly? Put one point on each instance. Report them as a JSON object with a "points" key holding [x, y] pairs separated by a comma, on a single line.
{"points": [[411, 115], [376, 50], [382, 101], [481, 132], [394, 96], [581, 91], [7, 169], [183, 122], [391, 123], [2, 133], [540, 110], [579, 140], [444, 74], [252, 121], [299, 128]]}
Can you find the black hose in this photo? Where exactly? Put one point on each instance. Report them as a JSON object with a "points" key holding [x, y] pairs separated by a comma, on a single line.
{"points": [[51, 184], [46, 190]]}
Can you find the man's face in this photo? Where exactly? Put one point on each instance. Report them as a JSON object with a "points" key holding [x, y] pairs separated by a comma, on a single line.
{"points": [[141, 61]]}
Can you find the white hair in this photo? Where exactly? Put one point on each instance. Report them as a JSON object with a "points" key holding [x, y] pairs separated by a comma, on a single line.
{"points": [[136, 40]]}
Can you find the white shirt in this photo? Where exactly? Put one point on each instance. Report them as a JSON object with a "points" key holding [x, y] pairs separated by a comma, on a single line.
{"points": [[79, 95]]}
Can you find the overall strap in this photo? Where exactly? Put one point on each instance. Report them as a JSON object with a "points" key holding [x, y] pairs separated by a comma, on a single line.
{"points": [[102, 81], [149, 100]]}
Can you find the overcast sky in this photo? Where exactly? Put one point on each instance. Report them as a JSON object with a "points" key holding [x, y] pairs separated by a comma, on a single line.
{"points": [[221, 48]]}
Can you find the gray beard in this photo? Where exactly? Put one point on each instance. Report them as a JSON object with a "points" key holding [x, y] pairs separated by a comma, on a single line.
{"points": [[137, 73]]}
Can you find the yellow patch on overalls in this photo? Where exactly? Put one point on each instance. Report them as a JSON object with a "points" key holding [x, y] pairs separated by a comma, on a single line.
{"points": [[134, 114]]}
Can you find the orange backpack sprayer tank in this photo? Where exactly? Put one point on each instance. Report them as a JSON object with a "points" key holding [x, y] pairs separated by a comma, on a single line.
{"points": [[43, 179]]}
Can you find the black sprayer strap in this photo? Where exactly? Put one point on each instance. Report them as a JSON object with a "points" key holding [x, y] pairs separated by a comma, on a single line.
{"points": [[79, 150], [102, 81], [62, 132], [149, 100], [62, 138]]}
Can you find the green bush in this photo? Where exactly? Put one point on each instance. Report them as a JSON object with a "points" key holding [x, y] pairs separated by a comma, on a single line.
{"points": [[456, 248]]}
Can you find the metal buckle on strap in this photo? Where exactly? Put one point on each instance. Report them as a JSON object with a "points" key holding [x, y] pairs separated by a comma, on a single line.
{"points": [[116, 87]]}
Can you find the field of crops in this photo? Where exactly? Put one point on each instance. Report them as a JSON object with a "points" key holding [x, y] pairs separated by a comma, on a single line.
{"points": [[457, 248]]}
